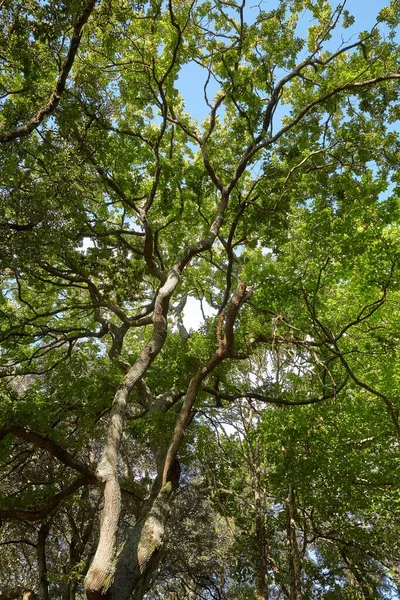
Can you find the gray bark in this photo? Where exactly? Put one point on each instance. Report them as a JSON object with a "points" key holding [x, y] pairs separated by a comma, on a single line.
{"points": [[140, 555], [101, 571], [100, 575]]}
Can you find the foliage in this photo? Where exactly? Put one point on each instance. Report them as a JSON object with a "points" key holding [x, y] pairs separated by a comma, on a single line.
{"points": [[258, 453]]}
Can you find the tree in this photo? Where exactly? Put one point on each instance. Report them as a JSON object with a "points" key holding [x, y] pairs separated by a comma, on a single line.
{"points": [[309, 498], [279, 209]]}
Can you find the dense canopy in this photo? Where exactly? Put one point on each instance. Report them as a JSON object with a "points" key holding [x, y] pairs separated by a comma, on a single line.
{"points": [[199, 300]]}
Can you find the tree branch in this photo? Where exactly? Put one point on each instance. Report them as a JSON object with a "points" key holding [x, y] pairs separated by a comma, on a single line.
{"points": [[50, 107], [224, 350]]}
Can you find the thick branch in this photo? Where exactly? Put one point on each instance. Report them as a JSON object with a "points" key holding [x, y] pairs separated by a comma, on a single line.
{"points": [[55, 97], [274, 400], [224, 350], [16, 226], [18, 593], [40, 513], [43, 442]]}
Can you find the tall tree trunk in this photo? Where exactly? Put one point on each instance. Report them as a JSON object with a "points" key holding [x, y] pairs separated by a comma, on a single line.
{"points": [[70, 587], [261, 559], [261, 563], [41, 559], [101, 571], [139, 558], [100, 576], [293, 547]]}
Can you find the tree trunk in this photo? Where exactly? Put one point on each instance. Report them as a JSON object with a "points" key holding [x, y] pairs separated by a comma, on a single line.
{"points": [[69, 592], [293, 547], [101, 571], [261, 564], [41, 559], [139, 558]]}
